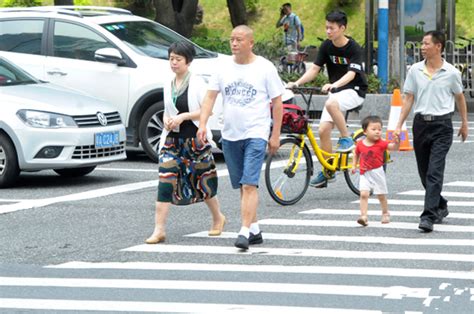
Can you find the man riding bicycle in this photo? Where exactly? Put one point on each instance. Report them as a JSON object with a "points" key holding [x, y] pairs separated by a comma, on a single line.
{"points": [[343, 58]]}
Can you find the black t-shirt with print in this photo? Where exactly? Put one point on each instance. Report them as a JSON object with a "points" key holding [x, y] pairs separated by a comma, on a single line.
{"points": [[340, 60]]}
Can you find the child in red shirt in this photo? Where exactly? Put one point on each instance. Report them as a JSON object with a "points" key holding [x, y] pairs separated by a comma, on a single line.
{"points": [[369, 153]]}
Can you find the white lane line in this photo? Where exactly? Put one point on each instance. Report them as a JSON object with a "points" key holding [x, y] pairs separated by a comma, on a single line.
{"points": [[165, 307], [418, 203], [35, 203], [272, 287], [353, 224], [461, 183], [377, 213], [77, 196], [446, 194], [350, 239], [287, 269], [265, 251]]}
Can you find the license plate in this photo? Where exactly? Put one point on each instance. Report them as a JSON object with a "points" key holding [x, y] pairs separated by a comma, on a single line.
{"points": [[106, 139]]}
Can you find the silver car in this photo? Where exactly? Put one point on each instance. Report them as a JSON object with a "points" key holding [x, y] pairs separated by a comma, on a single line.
{"points": [[44, 126]]}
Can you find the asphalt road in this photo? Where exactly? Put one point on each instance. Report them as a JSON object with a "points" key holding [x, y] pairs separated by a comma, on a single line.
{"points": [[77, 245]]}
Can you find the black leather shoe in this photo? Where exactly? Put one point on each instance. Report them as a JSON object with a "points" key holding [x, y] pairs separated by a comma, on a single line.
{"points": [[255, 238], [442, 212], [242, 242], [426, 225]]}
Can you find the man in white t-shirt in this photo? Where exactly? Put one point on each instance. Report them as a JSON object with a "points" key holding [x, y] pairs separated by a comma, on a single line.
{"points": [[249, 84]]}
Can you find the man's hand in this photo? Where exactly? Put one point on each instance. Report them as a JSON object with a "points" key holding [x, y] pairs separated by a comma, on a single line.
{"points": [[273, 144], [202, 135], [327, 88], [291, 85], [463, 131]]}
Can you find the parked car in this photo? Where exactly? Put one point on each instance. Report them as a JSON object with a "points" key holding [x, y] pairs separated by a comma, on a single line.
{"points": [[108, 53], [44, 126]]}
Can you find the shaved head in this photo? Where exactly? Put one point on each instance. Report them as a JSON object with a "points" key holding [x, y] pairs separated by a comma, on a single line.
{"points": [[247, 31]]}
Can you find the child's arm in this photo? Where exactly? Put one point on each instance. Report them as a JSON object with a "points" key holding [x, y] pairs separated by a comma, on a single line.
{"points": [[355, 161]]}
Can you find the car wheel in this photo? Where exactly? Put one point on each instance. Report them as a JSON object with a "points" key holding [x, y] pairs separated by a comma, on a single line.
{"points": [[74, 172], [9, 170], [151, 126]]}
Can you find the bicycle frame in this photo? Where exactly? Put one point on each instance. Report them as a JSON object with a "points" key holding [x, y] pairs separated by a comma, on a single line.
{"points": [[329, 161]]}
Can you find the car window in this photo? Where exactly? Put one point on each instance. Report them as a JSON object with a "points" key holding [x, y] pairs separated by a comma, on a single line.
{"points": [[12, 75], [76, 42], [22, 36], [150, 38]]}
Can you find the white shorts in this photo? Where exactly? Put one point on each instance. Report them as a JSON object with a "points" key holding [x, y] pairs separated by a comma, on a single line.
{"points": [[347, 99], [374, 180]]}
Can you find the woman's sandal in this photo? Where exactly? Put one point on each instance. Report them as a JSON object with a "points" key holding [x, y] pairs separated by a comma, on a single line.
{"points": [[217, 232], [155, 239], [385, 218], [363, 221]]}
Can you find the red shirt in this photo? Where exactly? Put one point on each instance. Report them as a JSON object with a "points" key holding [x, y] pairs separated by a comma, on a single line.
{"points": [[371, 157]]}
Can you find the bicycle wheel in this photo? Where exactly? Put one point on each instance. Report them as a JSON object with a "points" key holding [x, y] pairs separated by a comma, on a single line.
{"points": [[286, 177], [352, 179]]}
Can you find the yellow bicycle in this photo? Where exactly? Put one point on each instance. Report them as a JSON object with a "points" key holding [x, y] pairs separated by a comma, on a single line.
{"points": [[289, 170]]}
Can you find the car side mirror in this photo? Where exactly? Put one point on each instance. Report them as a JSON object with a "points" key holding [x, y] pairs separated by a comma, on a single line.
{"points": [[109, 55]]}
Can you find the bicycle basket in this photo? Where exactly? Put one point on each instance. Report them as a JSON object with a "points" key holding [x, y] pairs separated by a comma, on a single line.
{"points": [[294, 119]]}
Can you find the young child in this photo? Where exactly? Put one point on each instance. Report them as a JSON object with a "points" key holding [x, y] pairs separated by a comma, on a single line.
{"points": [[369, 153]]}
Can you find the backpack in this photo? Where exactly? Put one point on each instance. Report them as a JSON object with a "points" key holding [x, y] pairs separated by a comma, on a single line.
{"points": [[294, 119], [302, 31]]}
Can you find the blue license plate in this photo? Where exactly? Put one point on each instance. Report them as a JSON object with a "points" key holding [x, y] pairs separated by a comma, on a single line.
{"points": [[106, 139]]}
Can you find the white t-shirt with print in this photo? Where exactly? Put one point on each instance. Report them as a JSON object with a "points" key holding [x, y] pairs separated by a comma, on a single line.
{"points": [[247, 91]]}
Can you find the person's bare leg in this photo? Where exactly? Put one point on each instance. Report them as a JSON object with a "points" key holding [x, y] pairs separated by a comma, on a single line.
{"points": [[384, 204], [161, 214], [364, 205], [332, 106], [218, 219], [325, 129], [249, 204]]}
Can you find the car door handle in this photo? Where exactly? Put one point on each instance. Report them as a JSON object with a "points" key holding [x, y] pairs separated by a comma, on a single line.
{"points": [[56, 72]]}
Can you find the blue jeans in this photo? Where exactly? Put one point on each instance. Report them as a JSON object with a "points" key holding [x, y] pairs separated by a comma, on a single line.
{"points": [[244, 159]]}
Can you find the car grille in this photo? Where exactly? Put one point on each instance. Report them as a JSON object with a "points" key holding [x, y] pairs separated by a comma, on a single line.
{"points": [[91, 120], [90, 152]]}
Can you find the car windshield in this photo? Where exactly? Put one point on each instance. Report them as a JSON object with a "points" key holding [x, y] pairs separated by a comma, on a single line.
{"points": [[150, 38], [12, 75]]}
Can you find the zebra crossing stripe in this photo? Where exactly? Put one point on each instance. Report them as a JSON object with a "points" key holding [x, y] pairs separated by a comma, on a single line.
{"points": [[392, 292], [350, 239], [353, 224], [377, 213], [266, 251], [460, 183], [287, 269], [165, 307], [446, 194], [418, 202]]}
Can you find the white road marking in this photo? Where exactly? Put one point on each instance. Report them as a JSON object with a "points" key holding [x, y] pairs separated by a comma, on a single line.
{"points": [[418, 202], [461, 183], [446, 194], [377, 213], [394, 292], [349, 239], [353, 224], [285, 269], [164, 307], [208, 249]]}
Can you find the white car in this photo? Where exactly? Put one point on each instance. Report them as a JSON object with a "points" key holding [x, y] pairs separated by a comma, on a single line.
{"points": [[108, 53], [44, 126]]}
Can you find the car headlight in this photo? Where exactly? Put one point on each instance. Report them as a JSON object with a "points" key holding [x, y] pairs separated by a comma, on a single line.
{"points": [[42, 119]]}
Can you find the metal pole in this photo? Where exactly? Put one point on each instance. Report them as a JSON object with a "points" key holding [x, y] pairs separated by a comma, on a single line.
{"points": [[401, 16], [382, 55]]}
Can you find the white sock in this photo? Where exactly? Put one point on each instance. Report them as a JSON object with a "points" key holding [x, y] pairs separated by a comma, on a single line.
{"points": [[244, 231], [254, 228]]}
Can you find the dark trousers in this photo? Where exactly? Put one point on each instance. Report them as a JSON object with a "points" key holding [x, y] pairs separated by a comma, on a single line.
{"points": [[431, 141]]}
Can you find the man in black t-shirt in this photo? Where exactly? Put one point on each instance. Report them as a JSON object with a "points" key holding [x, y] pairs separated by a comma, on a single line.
{"points": [[343, 59]]}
